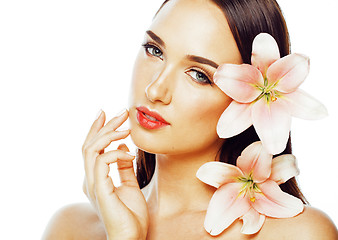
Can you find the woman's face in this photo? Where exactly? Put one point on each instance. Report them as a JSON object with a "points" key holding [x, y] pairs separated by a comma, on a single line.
{"points": [[172, 76]]}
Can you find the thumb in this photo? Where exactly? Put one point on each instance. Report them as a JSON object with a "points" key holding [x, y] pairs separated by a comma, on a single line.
{"points": [[126, 169], [123, 147]]}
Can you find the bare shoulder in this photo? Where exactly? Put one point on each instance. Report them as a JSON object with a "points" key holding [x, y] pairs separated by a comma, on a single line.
{"points": [[75, 221], [314, 224], [311, 224]]}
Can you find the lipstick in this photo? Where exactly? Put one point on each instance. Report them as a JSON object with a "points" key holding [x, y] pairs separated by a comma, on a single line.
{"points": [[149, 119]]}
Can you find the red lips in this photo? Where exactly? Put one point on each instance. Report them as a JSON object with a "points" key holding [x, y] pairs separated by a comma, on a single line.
{"points": [[149, 119]]}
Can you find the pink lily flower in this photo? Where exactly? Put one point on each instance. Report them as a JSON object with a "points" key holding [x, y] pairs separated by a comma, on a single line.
{"points": [[266, 94], [249, 190]]}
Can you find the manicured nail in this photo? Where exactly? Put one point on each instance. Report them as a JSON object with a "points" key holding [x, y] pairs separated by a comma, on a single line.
{"points": [[122, 129], [132, 154], [121, 112], [122, 133], [98, 114]]}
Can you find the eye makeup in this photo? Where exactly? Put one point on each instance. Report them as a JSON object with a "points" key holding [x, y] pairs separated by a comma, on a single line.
{"points": [[200, 70], [147, 46], [156, 38], [153, 50]]}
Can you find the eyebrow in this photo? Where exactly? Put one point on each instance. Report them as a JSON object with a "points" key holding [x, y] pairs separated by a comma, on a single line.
{"points": [[193, 58], [155, 38], [202, 60]]}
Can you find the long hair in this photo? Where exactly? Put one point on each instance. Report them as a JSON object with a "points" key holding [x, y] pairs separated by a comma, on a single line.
{"points": [[246, 19]]}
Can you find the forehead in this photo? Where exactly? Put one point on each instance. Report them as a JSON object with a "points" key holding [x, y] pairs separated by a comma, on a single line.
{"points": [[196, 27]]}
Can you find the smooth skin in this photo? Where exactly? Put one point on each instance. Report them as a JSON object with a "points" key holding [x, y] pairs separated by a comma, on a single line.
{"points": [[126, 201], [114, 211], [84, 221], [174, 203]]}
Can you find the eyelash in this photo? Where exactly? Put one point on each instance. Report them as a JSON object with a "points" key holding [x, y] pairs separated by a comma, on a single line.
{"points": [[148, 45], [206, 74]]}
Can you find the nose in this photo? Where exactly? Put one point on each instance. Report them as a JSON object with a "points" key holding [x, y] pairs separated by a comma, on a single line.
{"points": [[159, 90]]}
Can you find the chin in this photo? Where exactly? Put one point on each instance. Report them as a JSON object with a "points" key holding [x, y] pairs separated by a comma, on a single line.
{"points": [[145, 143], [152, 141], [147, 140]]}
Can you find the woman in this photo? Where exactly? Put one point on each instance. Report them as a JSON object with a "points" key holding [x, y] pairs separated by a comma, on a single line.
{"points": [[173, 83]]}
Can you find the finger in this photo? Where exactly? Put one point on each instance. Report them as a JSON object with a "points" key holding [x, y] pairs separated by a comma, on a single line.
{"points": [[103, 182], [114, 123], [104, 193], [93, 151], [126, 170], [90, 195], [100, 143], [96, 148], [123, 147], [95, 128]]}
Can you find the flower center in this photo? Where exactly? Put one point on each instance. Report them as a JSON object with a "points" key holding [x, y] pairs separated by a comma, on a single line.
{"points": [[270, 95], [268, 92], [249, 187]]}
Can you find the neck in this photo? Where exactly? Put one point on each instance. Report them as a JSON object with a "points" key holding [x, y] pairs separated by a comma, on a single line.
{"points": [[174, 187]]}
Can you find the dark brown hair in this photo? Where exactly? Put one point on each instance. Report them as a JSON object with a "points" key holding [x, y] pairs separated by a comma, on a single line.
{"points": [[246, 18]]}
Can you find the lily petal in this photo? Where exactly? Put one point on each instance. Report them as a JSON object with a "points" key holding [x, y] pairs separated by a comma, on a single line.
{"points": [[283, 168], [252, 222], [289, 72], [257, 160], [273, 202], [239, 81], [304, 106], [272, 123], [235, 119], [218, 173], [265, 51], [224, 208]]}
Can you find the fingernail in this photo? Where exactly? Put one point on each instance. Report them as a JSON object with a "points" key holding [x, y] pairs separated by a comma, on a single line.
{"points": [[121, 129], [120, 113], [123, 133], [98, 114], [131, 153]]}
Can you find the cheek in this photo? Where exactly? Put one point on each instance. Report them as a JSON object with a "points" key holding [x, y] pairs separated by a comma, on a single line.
{"points": [[205, 107], [145, 70], [139, 76], [199, 113]]}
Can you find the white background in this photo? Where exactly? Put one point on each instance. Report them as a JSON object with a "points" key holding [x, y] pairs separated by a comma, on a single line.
{"points": [[62, 61]]}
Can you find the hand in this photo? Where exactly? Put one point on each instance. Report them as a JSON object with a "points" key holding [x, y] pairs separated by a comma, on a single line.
{"points": [[123, 209]]}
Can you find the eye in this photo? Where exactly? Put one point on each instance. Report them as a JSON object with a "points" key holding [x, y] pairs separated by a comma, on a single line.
{"points": [[153, 50], [198, 76]]}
